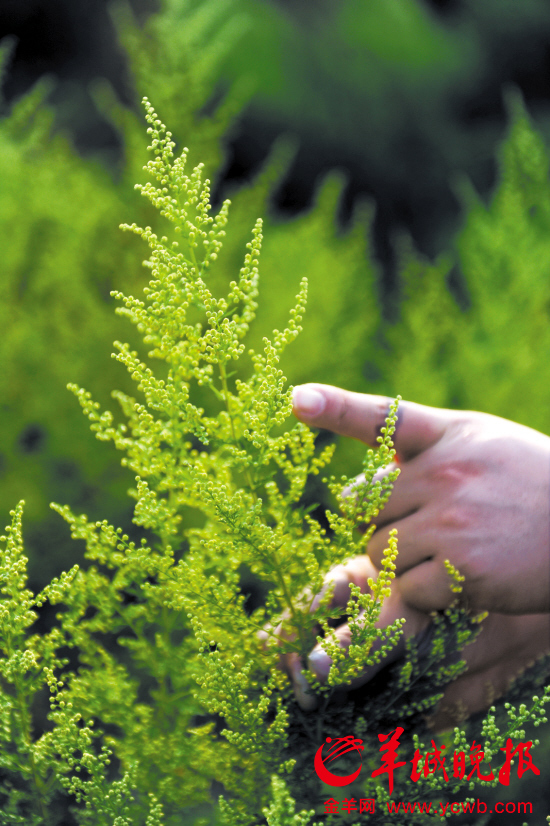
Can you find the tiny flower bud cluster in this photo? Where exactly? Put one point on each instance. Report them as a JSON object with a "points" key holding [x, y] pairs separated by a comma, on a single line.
{"points": [[173, 670]]}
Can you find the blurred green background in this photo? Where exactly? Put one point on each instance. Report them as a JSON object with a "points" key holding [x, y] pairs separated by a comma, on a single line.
{"points": [[398, 149], [389, 147]]}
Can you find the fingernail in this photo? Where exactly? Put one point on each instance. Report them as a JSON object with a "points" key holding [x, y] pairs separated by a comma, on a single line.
{"points": [[302, 690], [320, 663], [307, 401]]}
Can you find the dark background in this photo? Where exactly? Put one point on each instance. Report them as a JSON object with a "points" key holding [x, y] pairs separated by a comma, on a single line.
{"points": [[407, 166]]}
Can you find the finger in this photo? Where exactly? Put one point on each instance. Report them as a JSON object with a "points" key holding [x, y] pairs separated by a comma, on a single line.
{"points": [[424, 582], [408, 494], [510, 641], [361, 416], [356, 571], [427, 587], [354, 487], [417, 541], [305, 696], [505, 647], [320, 663]]}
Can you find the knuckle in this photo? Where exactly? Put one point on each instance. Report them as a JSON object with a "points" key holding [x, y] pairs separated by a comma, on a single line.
{"points": [[451, 473], [343, 408], [454, 518]]}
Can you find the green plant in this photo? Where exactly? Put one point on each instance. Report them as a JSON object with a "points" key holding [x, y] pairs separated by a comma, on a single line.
{"points": [[62, 254], [158, 680], [491, 353]]}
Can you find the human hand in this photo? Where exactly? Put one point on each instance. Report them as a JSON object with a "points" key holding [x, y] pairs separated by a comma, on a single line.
{"points": [[505, 646], [473, 489]]}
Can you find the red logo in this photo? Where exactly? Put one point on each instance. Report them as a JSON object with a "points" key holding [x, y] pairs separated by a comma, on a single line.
{"points": [[340, 746]]}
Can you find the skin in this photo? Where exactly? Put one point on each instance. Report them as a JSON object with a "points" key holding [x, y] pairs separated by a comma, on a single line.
{"points": [[474, 489]]}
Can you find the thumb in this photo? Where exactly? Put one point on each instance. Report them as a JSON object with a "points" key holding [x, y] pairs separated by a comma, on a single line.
{"points": [[361, 416]]}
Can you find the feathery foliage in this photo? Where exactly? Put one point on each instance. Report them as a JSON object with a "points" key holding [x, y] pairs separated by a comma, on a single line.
{"points": [[159, 680]]}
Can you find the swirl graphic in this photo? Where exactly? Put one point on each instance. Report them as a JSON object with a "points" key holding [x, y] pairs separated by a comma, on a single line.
{"points": [[341, 746]]}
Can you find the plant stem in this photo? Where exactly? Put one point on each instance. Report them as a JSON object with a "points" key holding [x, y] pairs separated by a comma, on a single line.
{"points": [[227, 396]]}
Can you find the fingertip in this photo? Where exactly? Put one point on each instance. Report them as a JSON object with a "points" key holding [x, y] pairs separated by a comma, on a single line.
{"points": [[362, 415], [319, 662], [303, 692], [308, 401], [352, 414]]}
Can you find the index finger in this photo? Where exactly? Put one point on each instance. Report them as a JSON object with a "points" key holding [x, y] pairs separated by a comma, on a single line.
{"points": [[355, 571], [361, 416]]}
